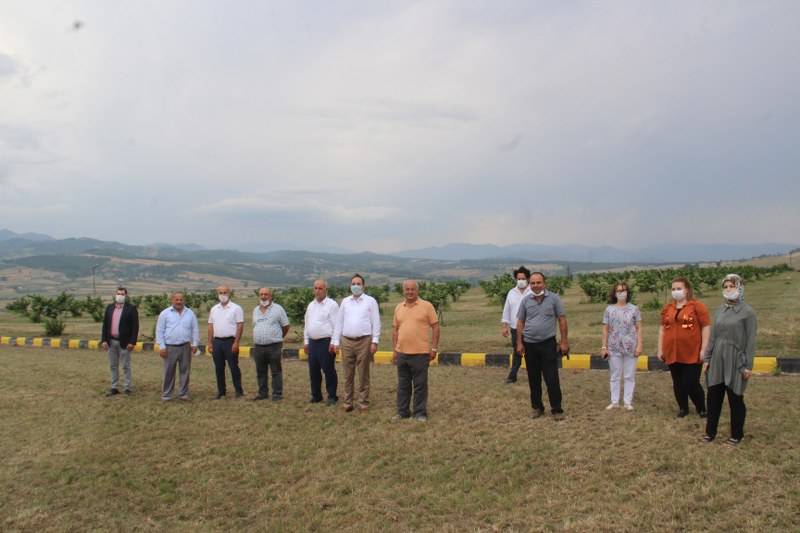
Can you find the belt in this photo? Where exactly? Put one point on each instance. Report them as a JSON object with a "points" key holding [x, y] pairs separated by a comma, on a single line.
{"points": [[224, 338], [114, 338], [178, 345], [356, 338], [320, 339], [268, 345]]}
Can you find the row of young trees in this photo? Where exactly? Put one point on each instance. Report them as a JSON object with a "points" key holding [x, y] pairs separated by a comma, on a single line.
{"points": [[657, 282], [53, 312]]}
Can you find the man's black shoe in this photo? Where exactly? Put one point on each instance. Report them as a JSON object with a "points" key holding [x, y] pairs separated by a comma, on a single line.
{"points": [[239, 394], [702, 413], [331, 401], [219, 396], [312, 400], [128, 392], [112, 392], [682, 413], [257, 398]]}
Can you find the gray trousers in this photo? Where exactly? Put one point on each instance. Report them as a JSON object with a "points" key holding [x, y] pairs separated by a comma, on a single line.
{"points": [[267, 357], [412, 370], [117, 353], [177, 355]]}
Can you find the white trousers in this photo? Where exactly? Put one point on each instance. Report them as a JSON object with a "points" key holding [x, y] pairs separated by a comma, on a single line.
{"points": [[622, 367]]}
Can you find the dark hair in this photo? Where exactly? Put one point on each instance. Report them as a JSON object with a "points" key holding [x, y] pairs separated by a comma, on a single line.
{"points": [[687, 284], [122, 289], [612, 295], [537, 272], [359, 276], [522, 270]]}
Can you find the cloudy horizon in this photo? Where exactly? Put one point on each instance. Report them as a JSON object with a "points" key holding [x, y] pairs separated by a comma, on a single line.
{"points": [[391, 126]]}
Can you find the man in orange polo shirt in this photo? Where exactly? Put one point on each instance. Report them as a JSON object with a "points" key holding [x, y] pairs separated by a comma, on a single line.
{"points": [[415, 342]]}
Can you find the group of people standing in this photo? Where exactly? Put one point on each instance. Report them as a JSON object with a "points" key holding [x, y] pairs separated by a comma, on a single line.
{"points": [[688, 343], [533, 317], [352, 328]]}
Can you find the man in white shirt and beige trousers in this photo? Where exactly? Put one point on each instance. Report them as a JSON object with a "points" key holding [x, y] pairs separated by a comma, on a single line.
{"points": [[358, 330]]}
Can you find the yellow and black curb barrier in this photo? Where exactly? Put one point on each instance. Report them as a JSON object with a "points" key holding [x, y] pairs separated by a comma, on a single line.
{"points": [[762, 364]]}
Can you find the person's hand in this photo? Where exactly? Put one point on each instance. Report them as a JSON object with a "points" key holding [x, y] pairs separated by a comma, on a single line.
{"points": [[235, 348], [521, 348], [209, 347], [433, 354], [131, 347], [564, 347], [333, 349], [373, 348], [394, 357], [746, 374], [705, 368], [638, 351], [194, 350], [305, 348], [105, 345], [506, 331], [604, 352], [661, 356], [163, 353]]}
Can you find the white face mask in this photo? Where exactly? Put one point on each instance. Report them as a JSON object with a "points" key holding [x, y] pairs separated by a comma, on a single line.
{"points": [[622, 296], [522, 283], [357, 290], [537, 293], [678, 294], [731, 294], [119, 298], [265, 302], [223, 298]]}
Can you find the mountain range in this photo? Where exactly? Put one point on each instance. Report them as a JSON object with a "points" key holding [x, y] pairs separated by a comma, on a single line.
{"points": [[188, 264]]}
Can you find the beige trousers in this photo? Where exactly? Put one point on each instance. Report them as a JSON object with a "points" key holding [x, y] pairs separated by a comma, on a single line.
{"points": [[356, 358]]}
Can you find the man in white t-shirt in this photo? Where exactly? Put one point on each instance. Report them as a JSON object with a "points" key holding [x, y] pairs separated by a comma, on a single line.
{"points": [[225, 326]]}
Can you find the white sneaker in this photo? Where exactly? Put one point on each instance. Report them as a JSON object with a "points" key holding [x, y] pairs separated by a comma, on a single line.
{"points": [[612, 406], [628, 407]]}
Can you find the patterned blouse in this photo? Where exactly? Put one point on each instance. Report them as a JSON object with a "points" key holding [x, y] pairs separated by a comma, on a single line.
{"points": [[621, 322]]}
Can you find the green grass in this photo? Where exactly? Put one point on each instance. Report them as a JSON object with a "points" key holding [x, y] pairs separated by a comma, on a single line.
{"points": [[473, 323], [76, 461]]}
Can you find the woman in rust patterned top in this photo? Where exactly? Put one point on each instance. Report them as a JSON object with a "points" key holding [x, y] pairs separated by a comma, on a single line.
{"points": [[682, 340]]}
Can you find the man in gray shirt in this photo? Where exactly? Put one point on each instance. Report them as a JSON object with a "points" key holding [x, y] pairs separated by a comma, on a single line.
{"points": [[270, 326], [536, 338]]}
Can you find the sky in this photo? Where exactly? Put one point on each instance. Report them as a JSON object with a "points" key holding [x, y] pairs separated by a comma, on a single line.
{"points": [[387, 126]]}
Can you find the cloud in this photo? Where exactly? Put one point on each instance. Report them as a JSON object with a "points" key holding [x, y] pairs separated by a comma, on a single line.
{"points": [[283, 203], [8, 67]]}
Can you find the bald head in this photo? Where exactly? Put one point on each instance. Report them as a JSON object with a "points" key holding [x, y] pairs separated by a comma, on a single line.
{"points": [[265, 295], [320, 290], [410, 290], [177, 301]]}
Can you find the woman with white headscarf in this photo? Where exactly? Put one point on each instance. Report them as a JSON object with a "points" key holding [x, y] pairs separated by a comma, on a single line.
{"points": [[729, 359]]}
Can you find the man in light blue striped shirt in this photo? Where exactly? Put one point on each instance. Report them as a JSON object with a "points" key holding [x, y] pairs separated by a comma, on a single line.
{"points": [[177, 335]]}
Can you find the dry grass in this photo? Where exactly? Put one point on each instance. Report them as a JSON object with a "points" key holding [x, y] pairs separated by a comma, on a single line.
{"points": [[473, 323], [75, 461]]}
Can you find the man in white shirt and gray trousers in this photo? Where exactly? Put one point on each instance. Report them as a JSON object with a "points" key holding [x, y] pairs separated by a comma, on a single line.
{"points": [[358, 331], [320, 321]]}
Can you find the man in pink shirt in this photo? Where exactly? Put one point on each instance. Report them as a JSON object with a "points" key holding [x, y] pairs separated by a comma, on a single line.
{"points": [[119, 333]]}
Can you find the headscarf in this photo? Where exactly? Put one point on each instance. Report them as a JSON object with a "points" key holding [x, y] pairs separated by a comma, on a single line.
{"points": [[737, 282]]}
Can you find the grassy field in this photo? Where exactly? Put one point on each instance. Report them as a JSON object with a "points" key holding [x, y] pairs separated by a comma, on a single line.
{"points": [[77, 461], [473, 323]]}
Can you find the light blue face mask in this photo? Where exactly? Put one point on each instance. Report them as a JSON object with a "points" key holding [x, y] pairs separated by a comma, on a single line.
{"points": [[357, 290]]}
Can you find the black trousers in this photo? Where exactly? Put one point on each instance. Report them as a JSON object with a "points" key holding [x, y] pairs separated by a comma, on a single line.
{"points": [[516, 358], [267, 357], [412, 372], [541, 360], [686, 384], [223, 353], [321, 361], [716, 393]]}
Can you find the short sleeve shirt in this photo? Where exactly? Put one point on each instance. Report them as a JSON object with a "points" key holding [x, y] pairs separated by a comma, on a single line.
{"points": [[683, 331], [621, 322], [540, 317], [225, 319], [268, 326], [413, 323]]}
